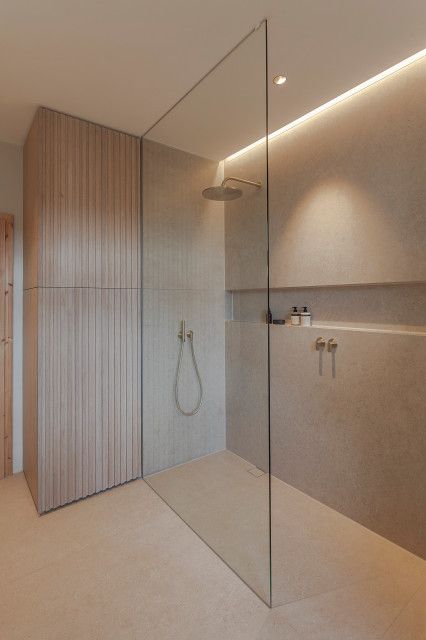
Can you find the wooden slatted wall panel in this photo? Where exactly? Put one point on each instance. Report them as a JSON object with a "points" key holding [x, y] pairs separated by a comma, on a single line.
{"points": [[32, 165], [90, 222], [88, 338], [89, 391], [2, 350]]}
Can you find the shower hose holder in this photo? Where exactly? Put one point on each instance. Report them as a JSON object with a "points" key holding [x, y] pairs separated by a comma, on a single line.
{"points": [[183, 335]]}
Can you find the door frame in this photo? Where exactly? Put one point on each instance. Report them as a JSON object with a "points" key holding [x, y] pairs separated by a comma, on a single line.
{"points": [[6, 344]]}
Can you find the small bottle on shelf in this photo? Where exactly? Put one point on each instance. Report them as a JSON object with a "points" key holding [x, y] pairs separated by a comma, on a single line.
{"points": [[295, 317], [305, 317]]}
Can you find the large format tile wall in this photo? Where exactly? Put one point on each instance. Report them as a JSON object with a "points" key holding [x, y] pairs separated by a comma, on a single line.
{"points": [[348, 428], [183, 279], [246, 259], [347, 190], [347, 237]]}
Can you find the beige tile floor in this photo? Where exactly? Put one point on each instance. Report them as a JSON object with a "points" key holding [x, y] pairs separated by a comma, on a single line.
{"points": [[123, 566], [335, 578]]}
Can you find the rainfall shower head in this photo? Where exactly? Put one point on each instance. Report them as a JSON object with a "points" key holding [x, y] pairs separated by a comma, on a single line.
{"points": [[224, 193]]}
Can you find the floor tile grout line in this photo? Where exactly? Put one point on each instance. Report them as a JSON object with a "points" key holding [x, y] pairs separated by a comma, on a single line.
{"points": [[129, 530], [375, 576], [401, 610], [208, 546], [79, 547], [134, 527], [301, 635]]}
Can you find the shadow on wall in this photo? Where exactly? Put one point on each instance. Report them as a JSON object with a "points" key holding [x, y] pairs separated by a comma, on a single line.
{"points": [[347, 190], [339, 233]]}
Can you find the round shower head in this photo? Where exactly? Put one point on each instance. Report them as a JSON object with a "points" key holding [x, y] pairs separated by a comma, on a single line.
{"points": [[222, 193]]}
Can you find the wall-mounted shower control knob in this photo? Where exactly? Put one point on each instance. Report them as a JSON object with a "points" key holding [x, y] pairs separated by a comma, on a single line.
{"points": [[332, 344], [319, 343]]}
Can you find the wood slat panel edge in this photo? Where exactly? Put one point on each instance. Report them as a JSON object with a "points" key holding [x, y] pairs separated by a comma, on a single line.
{"points": [[30, 387]]}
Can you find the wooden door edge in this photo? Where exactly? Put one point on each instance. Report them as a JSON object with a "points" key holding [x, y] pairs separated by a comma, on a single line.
{"points": [[8, 360]]}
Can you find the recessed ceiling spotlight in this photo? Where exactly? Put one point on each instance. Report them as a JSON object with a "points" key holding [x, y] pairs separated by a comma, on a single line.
{"points": [[343, 96], [279, 80]]}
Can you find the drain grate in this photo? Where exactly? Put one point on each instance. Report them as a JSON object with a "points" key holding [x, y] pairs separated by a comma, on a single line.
{"points": [[256, 472]]}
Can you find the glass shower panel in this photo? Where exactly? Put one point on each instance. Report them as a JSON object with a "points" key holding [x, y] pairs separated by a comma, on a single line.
{"points": [[347, 240], [205, 303]]}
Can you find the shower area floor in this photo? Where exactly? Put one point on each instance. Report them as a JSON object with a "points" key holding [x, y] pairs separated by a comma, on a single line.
{"points": [[316, 551]]}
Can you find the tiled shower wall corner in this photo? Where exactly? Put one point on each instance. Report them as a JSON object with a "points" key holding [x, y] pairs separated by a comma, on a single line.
{"points": [[183, 279], [347, 238]]}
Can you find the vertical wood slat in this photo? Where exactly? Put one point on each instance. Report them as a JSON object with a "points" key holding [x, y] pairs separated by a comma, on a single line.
{"points": [[35, 394], [87, 301], [77, 248], [68, 459], [2, 347], [33, 411], [32, 167]]}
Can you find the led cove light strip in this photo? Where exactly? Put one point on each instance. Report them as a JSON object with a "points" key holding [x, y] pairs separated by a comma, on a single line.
{"points": [[331, 103]]}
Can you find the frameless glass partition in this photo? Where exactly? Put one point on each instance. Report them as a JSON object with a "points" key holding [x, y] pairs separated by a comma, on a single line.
{"points": [[348, 378], [205, 310], [318, 448]]}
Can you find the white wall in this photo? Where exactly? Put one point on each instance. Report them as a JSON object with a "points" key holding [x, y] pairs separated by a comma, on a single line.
{"points": [[11, 202]]}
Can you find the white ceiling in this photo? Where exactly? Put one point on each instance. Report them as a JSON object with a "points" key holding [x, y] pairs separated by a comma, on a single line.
{"points": [[224, 112], [124, 63]]}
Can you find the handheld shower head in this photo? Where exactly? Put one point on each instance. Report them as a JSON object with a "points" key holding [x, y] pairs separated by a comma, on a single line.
{"points": [[222, 193]]}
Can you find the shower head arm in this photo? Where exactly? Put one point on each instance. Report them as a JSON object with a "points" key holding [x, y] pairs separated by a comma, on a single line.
{"points": [[254, 184]]}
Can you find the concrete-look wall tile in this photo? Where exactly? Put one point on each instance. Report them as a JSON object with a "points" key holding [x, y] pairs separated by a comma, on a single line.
{"points": [[246, 229], [403, 304], [346, 207], [346, 429], [347, 190], [380, 305], [249, 306], [183, 273], [183, 233], [349, 431], [169, 437], [247, 391]]}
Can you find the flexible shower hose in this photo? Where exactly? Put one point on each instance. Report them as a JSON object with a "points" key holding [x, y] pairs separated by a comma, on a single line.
{"points": [[200, 384]]}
